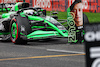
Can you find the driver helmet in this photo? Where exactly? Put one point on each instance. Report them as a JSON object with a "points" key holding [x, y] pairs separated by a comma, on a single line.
{"points": [[30, 12]]}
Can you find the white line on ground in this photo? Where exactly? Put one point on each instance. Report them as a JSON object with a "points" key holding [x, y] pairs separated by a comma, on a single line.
{"points": [[55, 50], [0, 38]]}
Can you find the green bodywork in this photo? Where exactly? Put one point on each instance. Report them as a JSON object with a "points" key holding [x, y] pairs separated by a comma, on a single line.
{"points": [[5, 9], [38, 34]]}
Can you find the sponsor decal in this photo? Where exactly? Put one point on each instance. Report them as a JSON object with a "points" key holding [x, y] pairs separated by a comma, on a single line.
{"points": [[22, 28], [72, 29], [59, 5], [85, 4], [56, 5], [8, 1], [46, 4], [42, 3]]}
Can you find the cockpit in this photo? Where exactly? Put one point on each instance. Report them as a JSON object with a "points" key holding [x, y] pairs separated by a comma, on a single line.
{"points": [[30, 12], [34, 12]]}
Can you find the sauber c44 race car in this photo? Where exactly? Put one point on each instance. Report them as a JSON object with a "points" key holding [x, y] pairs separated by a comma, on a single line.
{"points": [[23, 23]]}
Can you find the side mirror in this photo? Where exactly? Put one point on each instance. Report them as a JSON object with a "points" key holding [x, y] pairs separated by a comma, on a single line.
{"points": [[12, 15], [19, 11], [55, 17], [55, 13]]}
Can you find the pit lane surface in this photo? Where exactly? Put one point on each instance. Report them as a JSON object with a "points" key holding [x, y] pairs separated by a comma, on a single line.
{"points": [[43, 53]]}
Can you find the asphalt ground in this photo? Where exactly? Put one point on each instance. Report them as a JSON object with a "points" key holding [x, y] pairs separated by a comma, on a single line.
{"points": [[42, 53]]}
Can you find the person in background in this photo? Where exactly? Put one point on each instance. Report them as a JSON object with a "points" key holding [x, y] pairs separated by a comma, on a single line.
{"points": [[79, 18], [76, 8]]}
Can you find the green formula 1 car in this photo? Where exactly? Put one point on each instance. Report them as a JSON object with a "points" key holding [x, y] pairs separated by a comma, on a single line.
{"points": [[23, 23]]}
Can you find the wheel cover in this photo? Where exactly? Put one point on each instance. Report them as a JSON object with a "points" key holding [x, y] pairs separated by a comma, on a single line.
{"points": [[14, 32]]}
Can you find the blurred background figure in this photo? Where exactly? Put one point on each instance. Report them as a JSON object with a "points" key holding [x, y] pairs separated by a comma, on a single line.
{"points": [[76, 10]]}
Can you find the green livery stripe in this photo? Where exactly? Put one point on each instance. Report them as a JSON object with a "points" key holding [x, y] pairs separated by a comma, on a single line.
{"points": [[41, 34], [23, 34], [5, 9], [6, 33]]}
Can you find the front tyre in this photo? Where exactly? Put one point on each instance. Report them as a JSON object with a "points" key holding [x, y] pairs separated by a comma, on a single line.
{"points": [[15, 33]]}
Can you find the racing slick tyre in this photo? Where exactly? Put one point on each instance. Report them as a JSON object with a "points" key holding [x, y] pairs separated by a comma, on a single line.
{"points": [[15, 33]]}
